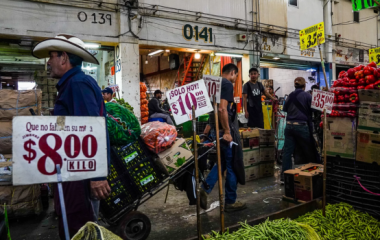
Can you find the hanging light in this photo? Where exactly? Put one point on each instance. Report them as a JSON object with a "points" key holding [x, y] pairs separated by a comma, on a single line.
{"points": [[197, 55], [167, 50], [146, 61]]}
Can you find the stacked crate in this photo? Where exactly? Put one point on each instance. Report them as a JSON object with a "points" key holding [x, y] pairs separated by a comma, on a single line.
{"points": [[49, 90]]}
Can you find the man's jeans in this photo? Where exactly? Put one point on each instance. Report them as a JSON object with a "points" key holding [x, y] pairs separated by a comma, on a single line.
{"points": [[164, 116], [231, 181], [297, 135]]}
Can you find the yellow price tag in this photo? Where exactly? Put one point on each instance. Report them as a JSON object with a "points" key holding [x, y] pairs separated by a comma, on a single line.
{"points": [[308, 36], [374, 55]]}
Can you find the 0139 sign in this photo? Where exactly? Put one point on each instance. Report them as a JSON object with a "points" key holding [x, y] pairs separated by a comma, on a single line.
{"points": [[214, 86], [322, 100], [77, 144], [182, 100]]}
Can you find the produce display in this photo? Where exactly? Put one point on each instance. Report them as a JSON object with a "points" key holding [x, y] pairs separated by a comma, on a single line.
{"points": [[342, 222], [123, 103], [276, 229], [143, 103], [346, 88], [158, 136], [123, 126]]}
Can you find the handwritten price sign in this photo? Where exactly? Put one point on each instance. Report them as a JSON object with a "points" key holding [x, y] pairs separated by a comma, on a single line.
{"points": [[77, 144], [213, 85], [322, 100], [183, 98]]}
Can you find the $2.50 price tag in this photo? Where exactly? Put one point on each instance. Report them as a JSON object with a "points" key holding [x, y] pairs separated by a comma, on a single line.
{"points": [[214, 86], [182, 100], [322, 100], [77, 144]]}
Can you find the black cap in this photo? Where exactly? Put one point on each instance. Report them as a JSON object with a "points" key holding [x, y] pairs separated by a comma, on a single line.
{"points": [[157, 92], [107, 90]]}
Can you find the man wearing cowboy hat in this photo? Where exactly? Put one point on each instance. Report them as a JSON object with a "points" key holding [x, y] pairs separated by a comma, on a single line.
{"points": [[78, 95]]}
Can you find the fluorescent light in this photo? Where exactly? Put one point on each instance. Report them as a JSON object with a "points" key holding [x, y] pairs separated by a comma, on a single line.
{"points": [[92, 45], [155, 52], [276, 58], [167, 50], [311, 70], [197, 56], [89, 68], [228, 55]]}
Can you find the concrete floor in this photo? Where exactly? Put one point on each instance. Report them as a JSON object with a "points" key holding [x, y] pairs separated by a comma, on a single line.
{"points": [[167, 219]]}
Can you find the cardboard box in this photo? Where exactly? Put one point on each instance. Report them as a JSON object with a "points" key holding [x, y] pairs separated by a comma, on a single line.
{"points": [[173, 158], [266, 169], [368, 147], [369, 95], [45, 96], [45, 104], [42, 73], [341, 143], [304, 183], [51, 89], [341, 124], [369, 122], [52, 81], [251, 156], [250, 142], [267, 137], [51, 103], [252, 172], [44, 88], [52, 96], [367, 107], [250, 138], [41, 81], [267, 153]]}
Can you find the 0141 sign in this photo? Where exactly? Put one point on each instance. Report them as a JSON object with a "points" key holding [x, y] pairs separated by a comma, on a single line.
{"points": [[322, 100], [41, 143]]}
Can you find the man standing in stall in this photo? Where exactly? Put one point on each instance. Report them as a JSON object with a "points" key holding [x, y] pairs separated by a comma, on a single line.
{"points": [[252, 92]]}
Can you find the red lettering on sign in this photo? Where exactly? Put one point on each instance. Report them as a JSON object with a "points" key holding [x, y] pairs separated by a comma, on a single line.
{"points": [[76, 146], [49, 152], [81, 165]]}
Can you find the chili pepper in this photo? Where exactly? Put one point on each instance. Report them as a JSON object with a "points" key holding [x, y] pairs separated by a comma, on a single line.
{"points": [[341, 98], [360, 87], [376, 85], [321, 124], [371, 86], [354, 98], [342, 74], [359, 74], [358, 68], [351, 73], [368, 70], [370, 79], [372, 64]]}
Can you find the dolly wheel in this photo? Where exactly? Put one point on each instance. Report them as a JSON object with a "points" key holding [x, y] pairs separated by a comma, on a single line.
{"points": [[135, 226]]}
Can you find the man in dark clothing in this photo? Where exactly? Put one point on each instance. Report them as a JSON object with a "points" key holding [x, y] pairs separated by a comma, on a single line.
{"points": [[78, 95], [252, 91], [226, 113], [298, 131], [155, 109]]}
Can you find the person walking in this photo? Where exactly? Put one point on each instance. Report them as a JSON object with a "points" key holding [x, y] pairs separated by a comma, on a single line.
{"points": [[299, 127], [231, 158], [78, 95], [252, 92]]}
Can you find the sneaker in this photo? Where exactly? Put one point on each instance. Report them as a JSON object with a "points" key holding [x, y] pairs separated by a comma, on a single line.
{"points": [[237, 206], [203, 197]]}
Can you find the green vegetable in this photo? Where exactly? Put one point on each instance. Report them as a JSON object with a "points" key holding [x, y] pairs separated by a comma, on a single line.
{"points": [[342, 221], [180, 161], [123, 103]]}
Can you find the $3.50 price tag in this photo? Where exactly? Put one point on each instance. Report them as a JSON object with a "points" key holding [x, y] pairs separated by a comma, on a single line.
{"points": [[41, 143], [309, 36], [374, 55], [322, 100]]}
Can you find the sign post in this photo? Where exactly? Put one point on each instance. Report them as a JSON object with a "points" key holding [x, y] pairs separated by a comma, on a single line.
{"points": [[62, 202], [324, 162]]}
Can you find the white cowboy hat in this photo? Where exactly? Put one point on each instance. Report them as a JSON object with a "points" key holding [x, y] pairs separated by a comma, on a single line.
{"points": [[64, 43]]}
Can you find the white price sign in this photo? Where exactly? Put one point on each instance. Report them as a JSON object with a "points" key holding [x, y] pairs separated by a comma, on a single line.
{"points": [[322, 100], [183, 98], [214, 86], [77, 144]]}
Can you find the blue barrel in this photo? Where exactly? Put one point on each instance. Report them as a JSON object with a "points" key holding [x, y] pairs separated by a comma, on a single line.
{"points": [[156, 119]]}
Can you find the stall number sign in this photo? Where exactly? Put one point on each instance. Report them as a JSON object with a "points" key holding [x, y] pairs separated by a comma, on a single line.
{"points": [[214, 86], [77, 144], [374, 55], [322, 100], [182, 99], [197, 33], [308, 36]]}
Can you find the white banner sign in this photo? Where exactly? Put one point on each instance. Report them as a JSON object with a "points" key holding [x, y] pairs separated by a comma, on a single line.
{"points": [[183, 98], [322, 100], [77, 144], [214, 86]]}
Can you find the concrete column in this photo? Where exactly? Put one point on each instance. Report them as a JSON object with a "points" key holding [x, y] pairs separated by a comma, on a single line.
{"points": [[128, 74], [254, 55]]}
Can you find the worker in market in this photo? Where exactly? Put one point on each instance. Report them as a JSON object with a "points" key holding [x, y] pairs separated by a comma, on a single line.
{"points": [[79, 95], [232, 159], [299, 127], [155, 109], [108, 95], [271, 91], [252, 92]]}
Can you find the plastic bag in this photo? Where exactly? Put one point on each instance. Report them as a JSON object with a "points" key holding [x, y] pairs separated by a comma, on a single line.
{"points": [[92, 231], [123, 126], [144, 101], [143, 87], [144, 108], [158, 136], [142, 95], [144, 120], [144, 114]]}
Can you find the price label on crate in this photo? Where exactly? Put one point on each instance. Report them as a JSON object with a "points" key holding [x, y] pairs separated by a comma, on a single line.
{"points": [[182, 100], [214, 86], [77, 144], [322, 100]]}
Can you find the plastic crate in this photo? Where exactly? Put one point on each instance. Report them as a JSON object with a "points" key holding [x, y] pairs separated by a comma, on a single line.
{"points": [[135, 160], [122, 195], [201, 126]]}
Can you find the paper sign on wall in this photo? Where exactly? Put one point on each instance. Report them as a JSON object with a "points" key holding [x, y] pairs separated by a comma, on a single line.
{"points": [[77, 144], [182, 99], [374, 55], [214, 86], [322, 100], [308, 36]]}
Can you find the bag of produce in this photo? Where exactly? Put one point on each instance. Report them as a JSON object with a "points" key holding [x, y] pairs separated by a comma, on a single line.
{"points": [[144, 108], [144, 101], [143, 87], [142, 95], [144, 114], [158, 136], [122, 125], [144, 120]]}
